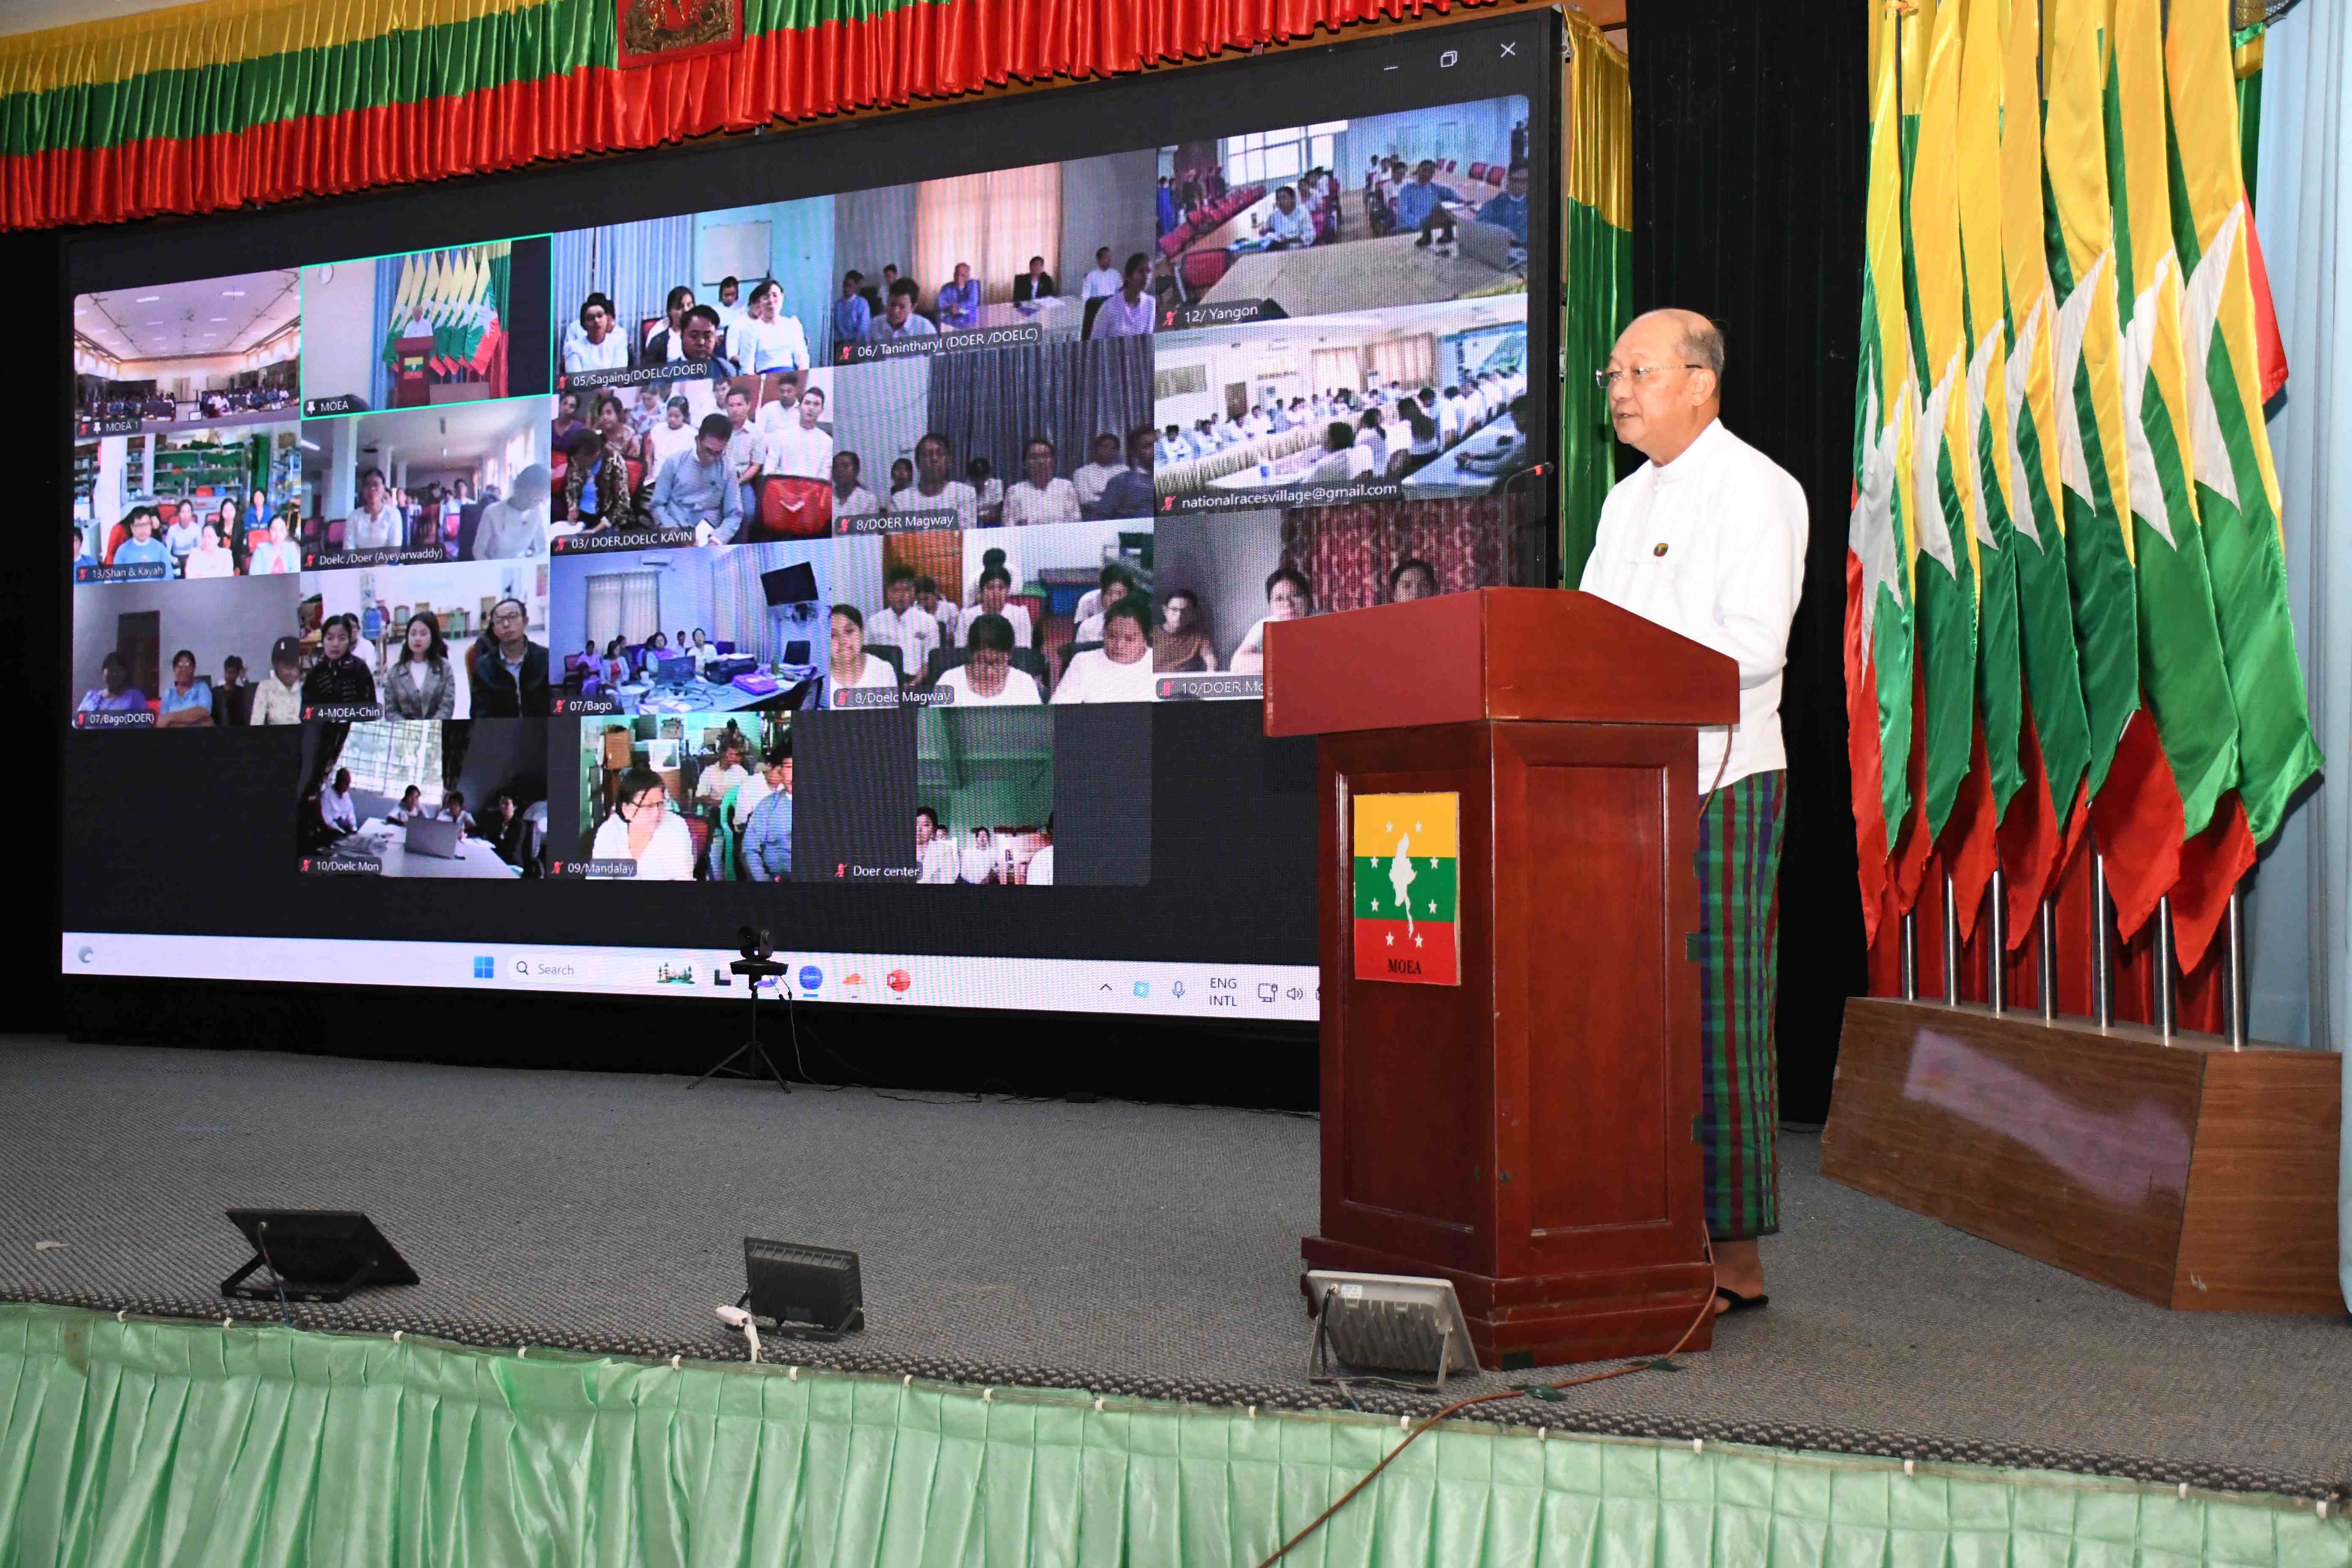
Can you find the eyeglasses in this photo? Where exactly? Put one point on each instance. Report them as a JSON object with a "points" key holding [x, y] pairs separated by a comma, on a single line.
{"points": [[1639, 374]]}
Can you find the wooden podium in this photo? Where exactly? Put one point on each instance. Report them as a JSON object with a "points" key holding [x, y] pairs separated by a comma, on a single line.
{"points": [[1527, 1132]]}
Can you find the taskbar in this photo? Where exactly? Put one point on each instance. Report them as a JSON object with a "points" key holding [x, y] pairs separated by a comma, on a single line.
{"points": [[1258, 992]]}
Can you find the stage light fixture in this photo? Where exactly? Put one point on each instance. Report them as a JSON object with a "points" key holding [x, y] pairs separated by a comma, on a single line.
{"points": [[1398, 1322], [807, 1293], [316, 1255]]}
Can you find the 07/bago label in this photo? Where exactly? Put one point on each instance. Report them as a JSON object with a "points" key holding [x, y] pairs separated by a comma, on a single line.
{"points": [[1405, 926]]}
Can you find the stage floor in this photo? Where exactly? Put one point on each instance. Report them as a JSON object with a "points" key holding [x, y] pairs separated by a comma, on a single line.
{"points": [[1120, 1247]]}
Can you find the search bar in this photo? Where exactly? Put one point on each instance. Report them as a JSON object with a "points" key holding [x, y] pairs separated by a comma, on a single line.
{"points": [[550, 971]]}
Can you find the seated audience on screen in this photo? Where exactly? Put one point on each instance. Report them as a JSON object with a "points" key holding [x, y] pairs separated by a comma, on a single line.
{"points": [[378, 522], [453, 809], [701, 649], [1034, 284], [767, 848], [981, 861], [697, 490], [727, 772], [611, 420], [1174, 447], [671, 436], [419, 685], [1421, 205], [650, 655], [981, 474], [1338, 464], [210, 558], [336, 809], [944, 611], [506, 827], [616, 662], [411, 807], [899, 319], [1129, 491], [1039, 496], [730, 308], [986, 678], [766, 339], [703, 393], [507, 671], [798, 452], [1288, 226], [1106, 461], [1132, 313], [142, 548], [1508, 210], [1412, 578], [851, 499], [180, 537], [1114, 583], [600, 344], [902, 623], [1039, 873], [995, 591], [644, 830], [646, 412], [851, 313], [82, 554], [1287, 598], [113, 693], [960, 301], [187, 700], [513, 527], [1120, 670], [277, 699], [932, 489], [745, 452], [277, 552], [232, 693], [667, 344], [340, 677], [1180, 643], [851, 667], [935, 852], [567, 423]]}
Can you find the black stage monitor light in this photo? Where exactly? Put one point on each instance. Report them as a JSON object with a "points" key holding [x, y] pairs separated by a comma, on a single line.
{"points": [[791, 584], [317, 1254], [810, 1293]]}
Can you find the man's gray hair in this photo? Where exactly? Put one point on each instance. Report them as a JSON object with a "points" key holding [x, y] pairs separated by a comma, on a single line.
{"points": [[1703, 344]]}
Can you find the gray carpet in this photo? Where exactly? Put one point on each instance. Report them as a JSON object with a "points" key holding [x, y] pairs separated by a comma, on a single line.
{"points": [[1145, 1249]]}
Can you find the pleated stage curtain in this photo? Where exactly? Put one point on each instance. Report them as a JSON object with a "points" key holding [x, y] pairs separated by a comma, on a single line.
{"points": [[200, 108], [144, 1442], [1598, 251]]}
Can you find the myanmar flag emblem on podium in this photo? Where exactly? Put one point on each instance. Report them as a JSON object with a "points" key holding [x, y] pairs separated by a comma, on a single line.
{"points": [[1406, 893]]}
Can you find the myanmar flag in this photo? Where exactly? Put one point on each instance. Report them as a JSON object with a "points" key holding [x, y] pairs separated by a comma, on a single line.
{"points": [[1406, 889]]}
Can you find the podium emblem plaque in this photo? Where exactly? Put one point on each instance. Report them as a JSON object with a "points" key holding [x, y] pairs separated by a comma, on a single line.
{"points": [[1405, 848]]}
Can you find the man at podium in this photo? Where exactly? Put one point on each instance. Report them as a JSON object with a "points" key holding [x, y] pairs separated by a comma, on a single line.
{"points": [[1707, 539]]}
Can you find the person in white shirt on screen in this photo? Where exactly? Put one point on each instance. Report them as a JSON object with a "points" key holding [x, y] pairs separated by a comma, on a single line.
{"points": [[515, 528], [933, 490], [1039, 873], [730, 308], [453, 809], [1172, 447], [1092, 478], [986, 679], [1120, 670], [899, 319], [1370, 436], [993, 599], [766, 339], [726, 773], [674, 435], [377, 523], [935, 853], [1287, 598], [980, 860], [601, 345], [277, 553], [851, 668], [1116, 585], [210, 558], [981, 474], [700, 650], [1132, 313], [851, 499], [643, 828], [410, 808], [335, 807], [1340, 459], [903, 624], [1040, 497], [1707, 539], [1288, 226], [667, 345], [799, 447]]}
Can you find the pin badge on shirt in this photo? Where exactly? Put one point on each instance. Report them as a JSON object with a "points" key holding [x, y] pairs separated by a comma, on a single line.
{"points": [[1658, 549]]}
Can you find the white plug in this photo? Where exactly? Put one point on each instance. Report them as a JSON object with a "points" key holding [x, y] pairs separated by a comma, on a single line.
{"points": [[737, 1318]]}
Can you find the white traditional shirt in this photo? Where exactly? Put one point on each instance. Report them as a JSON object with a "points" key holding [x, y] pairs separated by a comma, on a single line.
{"points": [[1713, 546], [799, 452], [913, 633]]}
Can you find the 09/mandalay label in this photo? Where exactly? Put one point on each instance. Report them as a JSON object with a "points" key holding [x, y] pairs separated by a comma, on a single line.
{"points": [[1406, 894]]}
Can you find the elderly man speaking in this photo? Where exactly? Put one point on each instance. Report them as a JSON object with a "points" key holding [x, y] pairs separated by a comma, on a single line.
{"points": [[1707, 539]]}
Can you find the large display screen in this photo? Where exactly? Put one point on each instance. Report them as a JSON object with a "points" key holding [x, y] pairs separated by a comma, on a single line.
{"points": [[867, 533]]}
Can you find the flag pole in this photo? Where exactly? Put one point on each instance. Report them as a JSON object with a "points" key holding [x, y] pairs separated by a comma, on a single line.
{"points": [[1951, 946], [2103, 979], [2046, 973], [2162, 980], [1997, 946], [1910, 955], [2237, 968]]}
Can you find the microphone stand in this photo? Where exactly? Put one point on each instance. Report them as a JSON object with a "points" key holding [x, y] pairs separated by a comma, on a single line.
{"points": [[762, 1065]]}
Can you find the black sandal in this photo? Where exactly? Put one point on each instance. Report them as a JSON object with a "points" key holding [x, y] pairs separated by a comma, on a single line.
{"points": [[1736, 1303]]}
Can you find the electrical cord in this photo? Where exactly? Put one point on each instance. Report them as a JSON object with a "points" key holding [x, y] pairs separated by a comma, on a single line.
{"points": [[1706, 1311], [261, 1239]]}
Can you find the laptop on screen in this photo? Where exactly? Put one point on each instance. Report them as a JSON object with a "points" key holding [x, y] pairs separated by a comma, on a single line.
{"points": [[434, 836]]}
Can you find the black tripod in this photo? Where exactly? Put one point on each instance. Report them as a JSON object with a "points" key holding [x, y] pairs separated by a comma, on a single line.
{"points": [[753, 971]]}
